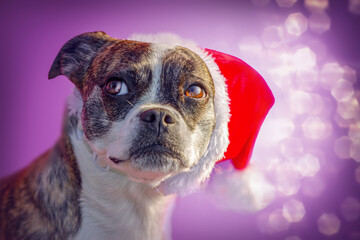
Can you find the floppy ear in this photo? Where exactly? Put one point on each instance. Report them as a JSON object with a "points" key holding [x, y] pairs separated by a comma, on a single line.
{"points": [[76, 55]]}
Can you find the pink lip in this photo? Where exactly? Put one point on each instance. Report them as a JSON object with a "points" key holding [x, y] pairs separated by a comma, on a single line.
{"points": [[138, 175], [116, 160]]}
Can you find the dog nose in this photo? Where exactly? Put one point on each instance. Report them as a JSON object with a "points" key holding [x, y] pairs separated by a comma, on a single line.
{"points": [[158, 118]]}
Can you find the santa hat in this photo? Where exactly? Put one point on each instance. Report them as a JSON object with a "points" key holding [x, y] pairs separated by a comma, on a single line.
{"points": [[242, 101], [250, 101]]}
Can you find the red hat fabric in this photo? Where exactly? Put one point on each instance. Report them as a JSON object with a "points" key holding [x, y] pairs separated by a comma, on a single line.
{"points": [[250, 101]]}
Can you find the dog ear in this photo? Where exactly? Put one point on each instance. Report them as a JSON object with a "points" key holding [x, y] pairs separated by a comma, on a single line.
{"points": [[76, 56]]}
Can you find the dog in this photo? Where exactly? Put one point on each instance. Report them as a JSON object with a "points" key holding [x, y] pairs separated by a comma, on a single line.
{"points": [[144, 124]]}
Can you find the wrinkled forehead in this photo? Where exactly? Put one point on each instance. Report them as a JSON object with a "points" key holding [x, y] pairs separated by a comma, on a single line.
{"points": [[140, 60]]}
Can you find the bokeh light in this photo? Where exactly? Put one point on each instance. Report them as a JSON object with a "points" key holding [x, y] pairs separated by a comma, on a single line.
{"points": [[313, 187], [316, 5], [350, 209], [292, 238], [354, 6], [331, 73], [286, 3], [342, 147], [349, 109], [308, 165], [260, 3], [296, 24], [273, 36], [293, 211], [354, 131], [277, 221], [355, 150], [291, 147], [301, 102], [319, 22], [277, 129], [343, 90], [307, 79], [304, 59], [288, 179], [349, 74], [328, 224], [357, 174], [316, 128]]}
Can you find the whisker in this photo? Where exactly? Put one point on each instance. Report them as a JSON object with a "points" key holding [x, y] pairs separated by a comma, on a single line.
{"points": [[158, 191], [130, 103], [217, 170]]}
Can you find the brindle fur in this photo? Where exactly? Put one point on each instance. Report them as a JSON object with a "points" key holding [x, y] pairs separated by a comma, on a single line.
{"points": [[42, 200]]}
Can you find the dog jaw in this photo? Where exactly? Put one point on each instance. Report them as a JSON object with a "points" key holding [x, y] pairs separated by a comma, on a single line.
{"points": [[153, 178]]}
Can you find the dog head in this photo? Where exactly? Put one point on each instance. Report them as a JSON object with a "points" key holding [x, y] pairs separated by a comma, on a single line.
{"points": [[147, 110]]}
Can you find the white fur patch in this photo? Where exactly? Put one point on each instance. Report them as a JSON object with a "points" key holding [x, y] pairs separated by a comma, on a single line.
{"points": [[75, 103], [124, 209], [156, 62]]}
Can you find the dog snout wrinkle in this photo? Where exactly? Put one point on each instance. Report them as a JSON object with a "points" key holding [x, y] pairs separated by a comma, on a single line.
{"points": [[158, 119]]}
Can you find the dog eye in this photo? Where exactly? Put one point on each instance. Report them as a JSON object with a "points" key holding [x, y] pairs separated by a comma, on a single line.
{"points": [[195, 91], [116, 87]]}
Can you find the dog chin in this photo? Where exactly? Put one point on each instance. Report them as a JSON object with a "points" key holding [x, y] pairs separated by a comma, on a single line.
{"points": [[141, 174]]}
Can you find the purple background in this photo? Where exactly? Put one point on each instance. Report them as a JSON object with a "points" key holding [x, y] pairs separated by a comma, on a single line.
{"points": [[31, 107]]}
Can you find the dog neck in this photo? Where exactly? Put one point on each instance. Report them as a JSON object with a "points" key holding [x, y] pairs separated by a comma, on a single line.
{"points": [[115, 207]]}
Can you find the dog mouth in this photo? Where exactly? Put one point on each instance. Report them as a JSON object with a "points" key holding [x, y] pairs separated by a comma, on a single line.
{"points": [[150, 164], [153, 156], [155, 150]]}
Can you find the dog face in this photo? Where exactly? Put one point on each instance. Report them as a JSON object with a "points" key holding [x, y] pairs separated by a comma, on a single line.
{"points": [[148, 109]]}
